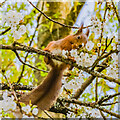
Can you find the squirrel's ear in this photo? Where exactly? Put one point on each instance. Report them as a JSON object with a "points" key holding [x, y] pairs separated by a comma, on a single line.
{"points": [[87, 33], [80, 30]]}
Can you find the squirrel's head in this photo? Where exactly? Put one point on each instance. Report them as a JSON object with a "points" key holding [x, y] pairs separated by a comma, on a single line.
{"points": [[80, 37]]}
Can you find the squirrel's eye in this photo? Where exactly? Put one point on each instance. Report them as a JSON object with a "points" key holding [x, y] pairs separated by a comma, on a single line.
{"points": [[79, 37], [80, 46]]}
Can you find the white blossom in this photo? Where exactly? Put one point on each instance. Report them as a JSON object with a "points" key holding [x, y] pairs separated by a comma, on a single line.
{"points": [[74, 83], [73, 52], [12, 17], [5, 95], [12, 105], [94, 57], [13, 29], [8, 103], [96, 28], [82, 54], [95, 113], [89, 45], [115, 57], [118, 47], [85, 59], [112, 71], [16, 35], [99, 44], [26, 109], [22, 29], [113, 45], [1, 106], [35, 111], [116, 39], [78, 60], [64, 53], [10, 99], [5, 106]]}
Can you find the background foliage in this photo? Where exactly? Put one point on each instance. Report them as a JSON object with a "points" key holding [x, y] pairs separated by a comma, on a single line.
{"points": [[103, 31]]}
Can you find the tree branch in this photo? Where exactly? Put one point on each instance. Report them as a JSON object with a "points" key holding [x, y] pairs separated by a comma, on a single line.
{"points": [[56, 21], [67, 61], [88, 81], [61, 109], [107, 45], [92, 105], [101, 57], [108, 97], [102, 115], [25, 60], [106, 104], [16, 86], [14, 93], [26, 63]]}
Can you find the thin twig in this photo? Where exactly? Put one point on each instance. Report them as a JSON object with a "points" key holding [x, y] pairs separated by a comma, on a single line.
{"points": [[116, 11], [67, 91], [26, 63], [25, 60], [101, 57], [101, 36], [2, 33], [11, 87], [102, 115], [88, 81], [48, 114], [108, 97], [106, 104], [92, 105], [54, 20], [96, 91], [1, 4], [107, 45]]}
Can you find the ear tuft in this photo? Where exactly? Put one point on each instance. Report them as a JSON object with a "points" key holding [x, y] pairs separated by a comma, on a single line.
{"points": [[80, 30]]}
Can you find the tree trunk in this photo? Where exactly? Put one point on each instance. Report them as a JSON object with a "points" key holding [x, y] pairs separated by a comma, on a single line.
{"points": [[62, 12]]}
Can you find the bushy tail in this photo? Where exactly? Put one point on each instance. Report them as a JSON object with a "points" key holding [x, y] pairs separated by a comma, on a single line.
{"points": [[46, 93]]}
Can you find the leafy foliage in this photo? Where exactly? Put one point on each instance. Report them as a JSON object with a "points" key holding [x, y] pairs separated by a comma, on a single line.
{"points": [[104, 30]]}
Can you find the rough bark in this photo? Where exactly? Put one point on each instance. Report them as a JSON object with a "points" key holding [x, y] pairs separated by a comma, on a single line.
{"points": [[67, 14]]}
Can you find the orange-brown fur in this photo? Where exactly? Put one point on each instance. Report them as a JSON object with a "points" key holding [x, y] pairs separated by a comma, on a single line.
{"points": [[46, 93], [68, 43]]}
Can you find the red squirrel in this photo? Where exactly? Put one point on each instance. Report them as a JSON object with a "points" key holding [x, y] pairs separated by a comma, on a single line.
{"points": [[68, 43], [46, 93]]}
